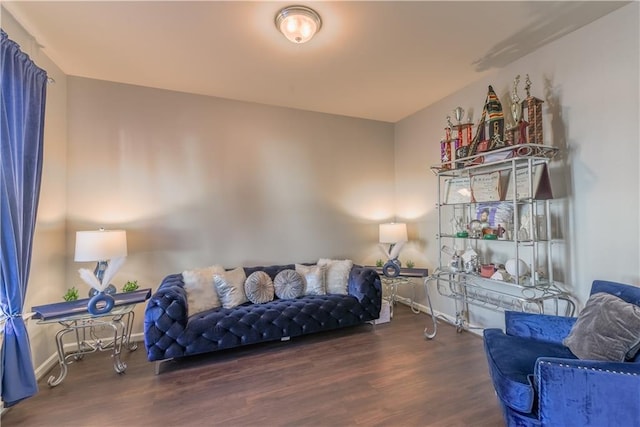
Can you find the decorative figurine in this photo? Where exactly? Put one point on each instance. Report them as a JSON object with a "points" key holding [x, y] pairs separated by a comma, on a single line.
{"points": [[463, 136], [459, 113], [516, 108], [492, 109], [533, 106]]}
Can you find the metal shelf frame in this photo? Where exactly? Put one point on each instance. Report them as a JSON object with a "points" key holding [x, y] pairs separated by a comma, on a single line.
{"points": [[538, 293]]}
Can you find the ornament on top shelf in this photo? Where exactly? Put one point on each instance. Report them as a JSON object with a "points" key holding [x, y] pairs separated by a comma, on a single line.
{"points": [[457, 139], [513, 134], [445, 146], [532, 109], [490, 129], [463, 135]]}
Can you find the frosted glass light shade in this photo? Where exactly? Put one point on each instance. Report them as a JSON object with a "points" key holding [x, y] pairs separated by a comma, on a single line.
{"points": [[298, 23], [100, 245], [393, 232]]}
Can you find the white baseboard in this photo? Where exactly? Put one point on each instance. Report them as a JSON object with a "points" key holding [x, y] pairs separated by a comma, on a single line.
{"points": [[476, 330], [52, 361]]}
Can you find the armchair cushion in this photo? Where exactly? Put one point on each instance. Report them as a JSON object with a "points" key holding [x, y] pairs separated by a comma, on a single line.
{"points": [[542, 327], [608, 328], [512, 360]]}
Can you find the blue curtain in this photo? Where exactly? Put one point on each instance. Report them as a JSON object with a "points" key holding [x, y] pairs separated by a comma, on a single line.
{"points": [[22, 101]]}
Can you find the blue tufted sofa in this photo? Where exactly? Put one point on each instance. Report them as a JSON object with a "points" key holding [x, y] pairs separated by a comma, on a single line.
{"points": [[169, 333], [540, 382]]}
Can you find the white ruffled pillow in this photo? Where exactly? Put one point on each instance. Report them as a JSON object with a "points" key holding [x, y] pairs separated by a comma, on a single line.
{"points": [[314, 282], [201, 292], [230, 287], [337, 275]]}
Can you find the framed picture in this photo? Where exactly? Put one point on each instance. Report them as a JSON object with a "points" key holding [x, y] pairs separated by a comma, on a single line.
{"points": [[540, 182], [493, 214], [457, 190], [488, 187]]}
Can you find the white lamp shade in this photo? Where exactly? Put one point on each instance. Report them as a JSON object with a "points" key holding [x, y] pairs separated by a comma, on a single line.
{"points": [[393, 232], [100, 245]]}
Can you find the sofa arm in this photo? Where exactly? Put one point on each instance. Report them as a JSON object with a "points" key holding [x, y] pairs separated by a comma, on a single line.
{"points": [[165, 318], [587, 393], [541, 327], [364, 284]]}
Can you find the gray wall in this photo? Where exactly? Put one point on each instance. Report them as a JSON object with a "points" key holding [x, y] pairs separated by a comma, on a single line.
{"points": [[589, 82], [198, 180]]}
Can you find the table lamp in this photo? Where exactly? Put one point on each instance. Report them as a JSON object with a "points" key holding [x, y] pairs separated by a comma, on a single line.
{"points": [[100, 246], [394, 234]]}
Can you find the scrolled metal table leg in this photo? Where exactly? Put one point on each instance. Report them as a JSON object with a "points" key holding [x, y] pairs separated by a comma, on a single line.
{"points": [[62, 361], [430, 335], [127, 333], [119, 329], [414, 308]]}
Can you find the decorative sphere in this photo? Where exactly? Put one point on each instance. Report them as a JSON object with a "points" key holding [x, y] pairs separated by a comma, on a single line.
{"points": [[511, 268]]}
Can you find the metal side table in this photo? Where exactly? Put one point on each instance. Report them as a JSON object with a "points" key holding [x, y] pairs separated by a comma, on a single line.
{"points": [[406, 277], [74, 317]]}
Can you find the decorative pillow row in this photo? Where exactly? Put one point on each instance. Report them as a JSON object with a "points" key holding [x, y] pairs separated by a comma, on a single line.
{"points": [[212, 287]]}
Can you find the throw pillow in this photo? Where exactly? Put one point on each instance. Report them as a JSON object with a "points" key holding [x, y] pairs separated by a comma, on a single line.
{"points": [[337, 275], [201, 292], [259, 287], [313, 276], [608, 328], [230, 287], [288, 284]]}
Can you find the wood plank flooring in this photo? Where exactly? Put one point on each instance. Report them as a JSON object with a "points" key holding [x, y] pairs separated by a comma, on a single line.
{"points": [[367, 375]]}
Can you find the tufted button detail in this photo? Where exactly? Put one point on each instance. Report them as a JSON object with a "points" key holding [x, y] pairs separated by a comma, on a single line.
{"points": [[169, 334]]}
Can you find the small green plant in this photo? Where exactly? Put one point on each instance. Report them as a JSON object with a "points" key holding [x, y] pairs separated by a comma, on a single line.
{"points": [[410, 264], [71, 295], [130, 286], [379, 263]]}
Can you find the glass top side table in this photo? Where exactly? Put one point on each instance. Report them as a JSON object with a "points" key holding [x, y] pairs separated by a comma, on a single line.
{"points": [[405, 278], [74, 317]]}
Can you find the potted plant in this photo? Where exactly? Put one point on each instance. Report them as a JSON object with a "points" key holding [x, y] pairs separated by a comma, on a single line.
{"points": [[71, 295], [130, 286]]}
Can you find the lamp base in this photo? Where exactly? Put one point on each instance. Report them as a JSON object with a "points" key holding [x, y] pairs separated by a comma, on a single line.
{"points": [[392, 268], [100, 303], [110, 290]]}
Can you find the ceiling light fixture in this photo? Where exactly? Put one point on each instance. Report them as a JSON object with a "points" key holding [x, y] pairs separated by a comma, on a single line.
{"points": [[298, 23]]}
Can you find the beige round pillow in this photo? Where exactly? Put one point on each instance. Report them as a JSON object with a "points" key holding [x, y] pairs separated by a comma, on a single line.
{"points": [[288, 284], [259, 287]]}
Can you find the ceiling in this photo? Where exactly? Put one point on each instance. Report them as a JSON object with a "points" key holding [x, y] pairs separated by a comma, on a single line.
{"points": [[381, 60]]}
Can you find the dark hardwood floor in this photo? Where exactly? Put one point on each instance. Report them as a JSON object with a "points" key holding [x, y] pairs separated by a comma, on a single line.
{"points": [[362, 376]]}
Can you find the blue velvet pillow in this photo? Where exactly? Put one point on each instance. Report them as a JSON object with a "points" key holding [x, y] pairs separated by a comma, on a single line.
{"points": [[608, 328]]}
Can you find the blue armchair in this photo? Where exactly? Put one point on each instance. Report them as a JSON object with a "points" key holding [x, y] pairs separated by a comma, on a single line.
{"points": [[540, 382]]}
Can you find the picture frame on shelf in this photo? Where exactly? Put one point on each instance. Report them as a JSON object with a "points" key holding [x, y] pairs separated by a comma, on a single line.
{"points": [[488, 187], [457, 190], [541, 184], [494, 214]]}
